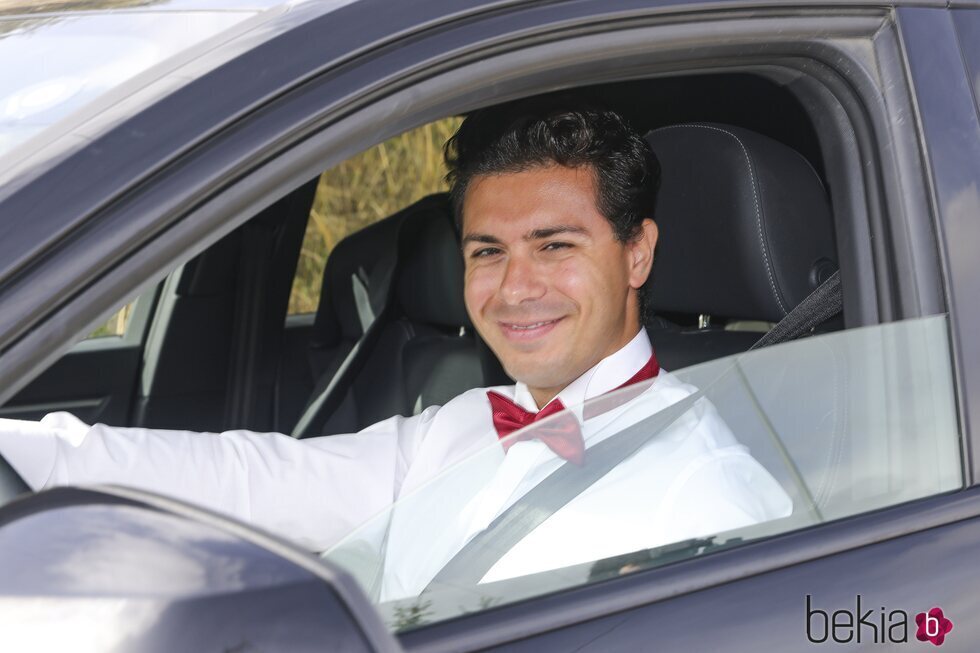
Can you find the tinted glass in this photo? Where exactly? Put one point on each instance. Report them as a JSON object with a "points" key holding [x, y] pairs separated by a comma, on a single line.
{"points": [[55, 64], [116, 324], [707, 457]]}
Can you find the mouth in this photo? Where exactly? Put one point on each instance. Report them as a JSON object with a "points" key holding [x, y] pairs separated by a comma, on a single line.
{"points": [[525, 331]]}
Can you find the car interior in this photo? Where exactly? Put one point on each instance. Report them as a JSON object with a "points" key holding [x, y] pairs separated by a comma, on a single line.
{"points": [[746, 233], [751, 222]]}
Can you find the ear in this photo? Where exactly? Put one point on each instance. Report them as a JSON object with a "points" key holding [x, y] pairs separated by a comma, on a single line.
{"points": [[640, 252]]}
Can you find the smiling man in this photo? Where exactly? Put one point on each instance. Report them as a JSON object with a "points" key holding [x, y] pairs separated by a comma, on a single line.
{"points": [[555, 208], [545, 269]]}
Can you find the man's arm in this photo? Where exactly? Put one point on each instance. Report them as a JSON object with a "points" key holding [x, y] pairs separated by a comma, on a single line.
{"points": [[724, 490], [312, 491]]}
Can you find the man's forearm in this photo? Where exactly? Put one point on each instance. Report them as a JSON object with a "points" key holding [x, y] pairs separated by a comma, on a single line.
{"points": [[313, 491]]}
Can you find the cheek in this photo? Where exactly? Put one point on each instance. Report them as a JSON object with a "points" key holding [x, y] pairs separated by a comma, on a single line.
{"points": [[479, 286], [580, 282]]}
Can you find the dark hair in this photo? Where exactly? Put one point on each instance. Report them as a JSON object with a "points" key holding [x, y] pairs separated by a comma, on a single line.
{"points": [[548, 131], [565, 131]]}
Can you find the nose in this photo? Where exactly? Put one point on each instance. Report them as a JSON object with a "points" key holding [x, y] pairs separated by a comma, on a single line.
{"points": [[522, 281]]}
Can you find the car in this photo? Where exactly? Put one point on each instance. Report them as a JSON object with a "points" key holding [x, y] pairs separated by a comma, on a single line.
{"points": [[172, 172]]}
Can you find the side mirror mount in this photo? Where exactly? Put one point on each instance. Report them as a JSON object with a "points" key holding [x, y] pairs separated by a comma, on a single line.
{"points": [[112, 569]]}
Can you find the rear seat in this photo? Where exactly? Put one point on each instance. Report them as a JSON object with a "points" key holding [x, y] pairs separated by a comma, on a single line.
{"points": [[355, 288], [419, 349]]}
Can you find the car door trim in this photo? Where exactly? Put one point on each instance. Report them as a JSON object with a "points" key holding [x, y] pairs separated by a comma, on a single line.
{"points": [[509, 623]]}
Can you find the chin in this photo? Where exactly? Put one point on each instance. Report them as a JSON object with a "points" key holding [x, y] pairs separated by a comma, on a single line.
{"points": [[540, 375], [541, 368]]}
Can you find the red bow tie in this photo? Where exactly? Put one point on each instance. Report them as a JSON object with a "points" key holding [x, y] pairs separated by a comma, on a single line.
{"points": [[561, 435]]}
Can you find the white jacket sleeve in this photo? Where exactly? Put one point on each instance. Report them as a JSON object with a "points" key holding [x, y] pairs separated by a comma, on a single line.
{"points": [[312, 491]]}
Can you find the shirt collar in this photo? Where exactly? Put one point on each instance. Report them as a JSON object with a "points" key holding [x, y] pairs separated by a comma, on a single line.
{"points": [[611, 372]]}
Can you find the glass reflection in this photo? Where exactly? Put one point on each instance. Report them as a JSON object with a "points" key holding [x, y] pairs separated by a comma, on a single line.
{"points": [[162, 556], [833, 425], [53, 65], [121, 578]]}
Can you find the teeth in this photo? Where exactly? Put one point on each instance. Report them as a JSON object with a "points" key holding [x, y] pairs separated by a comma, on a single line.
{"points": [[530, 326]]}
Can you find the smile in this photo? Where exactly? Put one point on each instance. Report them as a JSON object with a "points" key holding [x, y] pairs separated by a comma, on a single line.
{"points": [[528, 331], [531, 326]]}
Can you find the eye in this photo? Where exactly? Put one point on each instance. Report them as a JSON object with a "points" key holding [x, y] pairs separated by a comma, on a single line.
{"points": [[557, 245], [485, 252]]}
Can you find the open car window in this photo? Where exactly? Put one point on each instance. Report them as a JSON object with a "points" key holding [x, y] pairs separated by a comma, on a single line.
{"points": [[706, 457]]}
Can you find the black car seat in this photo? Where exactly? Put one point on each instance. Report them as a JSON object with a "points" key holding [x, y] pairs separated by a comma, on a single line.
{"points": [[355, 288], [420, 349], [746, 233]]}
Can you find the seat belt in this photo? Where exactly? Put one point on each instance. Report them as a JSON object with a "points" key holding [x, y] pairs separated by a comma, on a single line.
{"points": [[819, 306], [487, 547], [328, 398]]}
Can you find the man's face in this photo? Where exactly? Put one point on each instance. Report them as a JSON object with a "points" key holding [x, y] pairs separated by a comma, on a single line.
{"points": [[548, 286]]}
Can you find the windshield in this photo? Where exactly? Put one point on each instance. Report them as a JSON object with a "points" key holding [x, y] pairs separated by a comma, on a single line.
{"points": [[689, 462], [53, 64]]}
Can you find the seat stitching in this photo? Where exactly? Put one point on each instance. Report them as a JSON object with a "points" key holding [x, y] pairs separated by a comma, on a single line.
{"points": [[755, 197]]}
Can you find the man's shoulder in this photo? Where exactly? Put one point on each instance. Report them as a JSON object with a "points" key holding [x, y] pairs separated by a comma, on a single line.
{"points": [[663, 391], [476, 397], [466, 401], [698, 426], [671, 386]]}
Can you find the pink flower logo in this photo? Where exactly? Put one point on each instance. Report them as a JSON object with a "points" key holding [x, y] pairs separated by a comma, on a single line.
{"points": [[933, 626]]}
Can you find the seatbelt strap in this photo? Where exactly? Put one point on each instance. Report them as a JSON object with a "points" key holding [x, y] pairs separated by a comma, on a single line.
{"points": [[819, 306], [329, 396], [487, 547]]}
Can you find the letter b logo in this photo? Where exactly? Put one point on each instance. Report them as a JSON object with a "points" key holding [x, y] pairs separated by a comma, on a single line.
{"points": [[933, 626]]}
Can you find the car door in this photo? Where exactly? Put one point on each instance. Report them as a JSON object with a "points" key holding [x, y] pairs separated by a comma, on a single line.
{"points": [[97, 379], [893, 577], [136, 213]]}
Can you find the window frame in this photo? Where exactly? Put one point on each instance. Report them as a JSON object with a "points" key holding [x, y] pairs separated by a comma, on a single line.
{"points": [[950, 127], [274, 152], [240, 170]]}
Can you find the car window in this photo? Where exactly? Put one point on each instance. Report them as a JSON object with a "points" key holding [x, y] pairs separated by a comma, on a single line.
{"points": [[115, 325], [54, 64], [692, 461], [362, 190]]}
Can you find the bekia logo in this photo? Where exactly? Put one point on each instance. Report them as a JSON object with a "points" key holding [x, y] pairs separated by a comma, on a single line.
{"points": [[933, 626], [875, 626]]}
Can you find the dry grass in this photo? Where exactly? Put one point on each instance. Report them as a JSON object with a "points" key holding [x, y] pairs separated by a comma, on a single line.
{"points": [[363, 190], [115, 325]]}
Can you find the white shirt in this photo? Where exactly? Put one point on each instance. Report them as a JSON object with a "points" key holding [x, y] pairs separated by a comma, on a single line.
{"points": [[693, 479]]}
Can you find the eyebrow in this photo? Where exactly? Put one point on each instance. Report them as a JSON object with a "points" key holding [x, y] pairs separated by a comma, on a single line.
{"points": [[480, 238], [548, 232], [534, 234]]}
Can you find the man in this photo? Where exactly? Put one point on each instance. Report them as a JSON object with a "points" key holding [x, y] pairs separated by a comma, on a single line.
{"points": [[555, 213]]}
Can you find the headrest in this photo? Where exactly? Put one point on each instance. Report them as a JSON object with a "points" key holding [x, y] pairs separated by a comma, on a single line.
{"points": [[745, 225], [357, 277], [430, 279]]}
